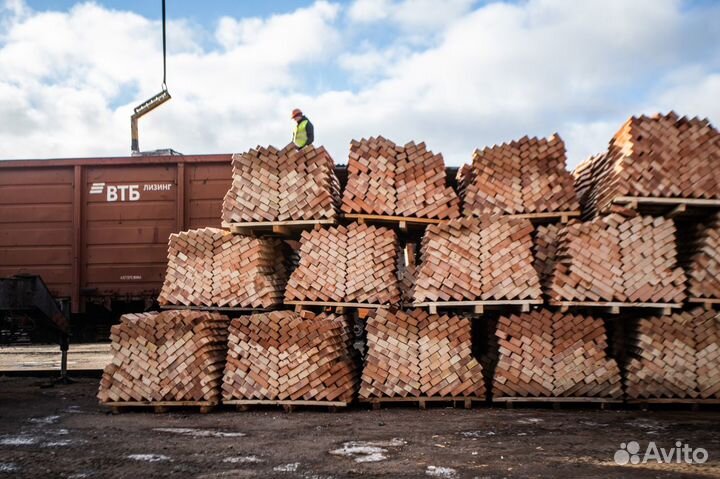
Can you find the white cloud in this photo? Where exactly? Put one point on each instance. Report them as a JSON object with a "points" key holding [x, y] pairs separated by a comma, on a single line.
{"points": [[489, 75], [370, 10], [409, 14]]}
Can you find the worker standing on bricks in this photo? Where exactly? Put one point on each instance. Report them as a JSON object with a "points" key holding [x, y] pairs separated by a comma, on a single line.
{"points": [[304, 133]]}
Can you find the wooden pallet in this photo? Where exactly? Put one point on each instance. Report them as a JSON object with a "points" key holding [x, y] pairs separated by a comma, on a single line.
{"points": [[614, 307], [160, 407], [548, 217], [693, 404], [287, 405], [276, 228], [217, 308], [478, 307], [422, 402], [668, 207], [402, 222], [555, 402], [362, 308]]}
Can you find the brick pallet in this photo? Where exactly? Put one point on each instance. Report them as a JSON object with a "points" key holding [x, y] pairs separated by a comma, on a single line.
{"points": [[417, 355], [386, 179], [357, 264], [281, 356], [477, 259], [675, 356], [520, 177], [171, 356], [659, 156], [613, 258], [703, 267], [282, 185], [212, 267], [546, 354]]}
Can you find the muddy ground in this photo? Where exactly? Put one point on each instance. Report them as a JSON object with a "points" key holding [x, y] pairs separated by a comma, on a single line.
{"points": [[63, 432]]}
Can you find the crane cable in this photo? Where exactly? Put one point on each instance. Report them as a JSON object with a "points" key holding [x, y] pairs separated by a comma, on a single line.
{"points": [[164, 83]]}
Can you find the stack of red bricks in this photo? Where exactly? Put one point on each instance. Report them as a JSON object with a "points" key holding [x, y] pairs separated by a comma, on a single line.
{"points": [[281, 356], [658, 156], [523, 176], [355, 263], [546, 354], [167, 356], [386, 179], [280, 185], [212, 267], [703, 269], [613, 258], [675, 356], [415, 354], [477, 259]]}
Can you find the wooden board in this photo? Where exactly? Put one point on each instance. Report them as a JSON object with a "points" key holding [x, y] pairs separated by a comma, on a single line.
{"points": [[422, 401]]}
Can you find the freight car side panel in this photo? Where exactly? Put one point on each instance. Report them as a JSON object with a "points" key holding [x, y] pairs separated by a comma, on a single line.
{"points": [[207, 184], [36, 225], [130, 211]]}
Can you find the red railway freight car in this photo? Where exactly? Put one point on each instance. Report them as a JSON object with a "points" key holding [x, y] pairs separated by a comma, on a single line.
{"points": [[96, 229]]}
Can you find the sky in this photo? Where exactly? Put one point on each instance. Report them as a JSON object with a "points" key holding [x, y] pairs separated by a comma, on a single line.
{"points": [[457, 74]]}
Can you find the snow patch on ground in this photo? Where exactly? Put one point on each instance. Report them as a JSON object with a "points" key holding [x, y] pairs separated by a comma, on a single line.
{"points": [[243, 460], [529, 420], [45, 421], [477, 434], [17, 440], [149, 457], [446, 472], [58, 443], [646, 424], [367, 451], [8, 467], [186, 431], [292, 467]]}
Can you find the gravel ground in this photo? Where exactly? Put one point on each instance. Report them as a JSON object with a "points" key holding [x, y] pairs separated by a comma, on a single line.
{"points": [[63, 432]]}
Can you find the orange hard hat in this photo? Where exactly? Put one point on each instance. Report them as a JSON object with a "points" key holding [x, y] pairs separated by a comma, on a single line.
{"points": [[296, 113]]}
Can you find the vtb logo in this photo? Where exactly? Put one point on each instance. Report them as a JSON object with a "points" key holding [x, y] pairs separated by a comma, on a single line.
{"points": [[116, 192]]}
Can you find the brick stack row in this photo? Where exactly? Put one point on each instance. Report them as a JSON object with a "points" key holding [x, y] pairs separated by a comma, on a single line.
{"points": [[357, 263], [477, 259], [416, 354], [211, 267], [281, 356], [546, 354], [386, 179], [675, 356], [167, 356], [656, 156], [281, 185], [523, 176], [614, 258]]}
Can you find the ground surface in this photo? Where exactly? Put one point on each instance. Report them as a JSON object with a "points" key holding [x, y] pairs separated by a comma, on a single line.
{"points": [[63, 432], [81, 357]]}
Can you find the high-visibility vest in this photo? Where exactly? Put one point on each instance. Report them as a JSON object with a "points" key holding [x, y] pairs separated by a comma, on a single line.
{"points": [[300, 136]]}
